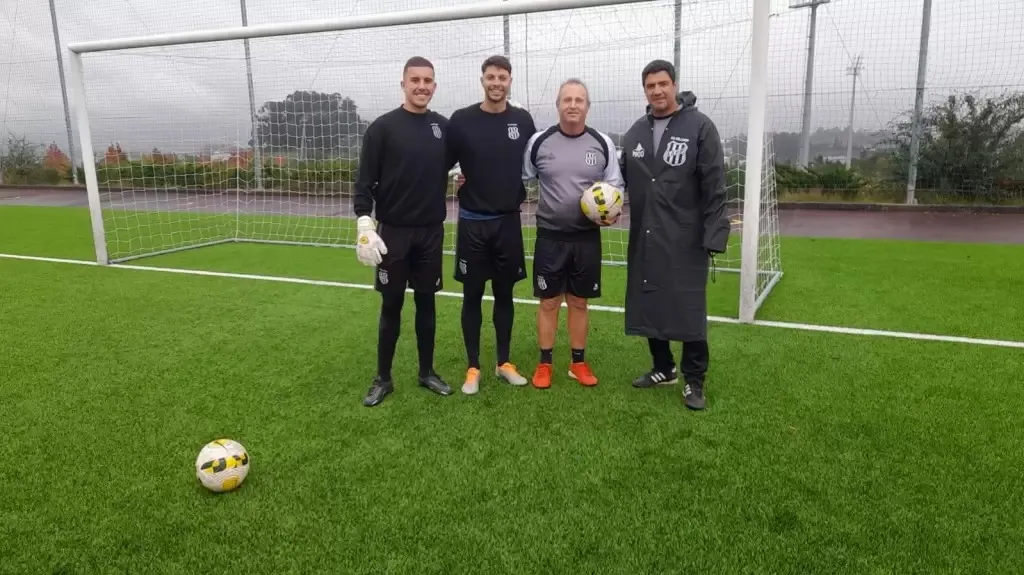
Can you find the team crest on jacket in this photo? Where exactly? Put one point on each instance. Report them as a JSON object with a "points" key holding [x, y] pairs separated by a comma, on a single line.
{"points": [[675, 151], [513, 131], [590, 158], [436, 129]]}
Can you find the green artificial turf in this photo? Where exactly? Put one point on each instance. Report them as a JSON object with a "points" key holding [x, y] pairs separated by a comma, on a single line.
{"points": [[931, 287], [819, 453]]}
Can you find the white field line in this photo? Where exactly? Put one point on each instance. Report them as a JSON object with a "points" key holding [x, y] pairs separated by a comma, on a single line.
{"points": [[603, 308]]}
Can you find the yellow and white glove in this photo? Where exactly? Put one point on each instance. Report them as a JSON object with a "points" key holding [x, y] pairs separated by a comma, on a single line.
{"points": [[369, 246]]}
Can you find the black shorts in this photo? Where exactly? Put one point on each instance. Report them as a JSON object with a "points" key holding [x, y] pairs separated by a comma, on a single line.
{"points": [[567, 265], [414, 258], [490, 250]]}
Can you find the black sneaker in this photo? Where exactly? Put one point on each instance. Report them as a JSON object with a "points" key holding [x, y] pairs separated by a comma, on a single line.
{"points": [[378, 391], [656, 377], [693, 395], [434, 383]]}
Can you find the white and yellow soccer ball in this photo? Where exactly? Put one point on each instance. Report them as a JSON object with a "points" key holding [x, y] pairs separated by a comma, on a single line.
{"points": [[602, 203], [222, 465]]}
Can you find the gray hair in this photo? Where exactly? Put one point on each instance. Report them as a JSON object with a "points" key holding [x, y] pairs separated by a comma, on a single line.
{"points": [[572, 82]]}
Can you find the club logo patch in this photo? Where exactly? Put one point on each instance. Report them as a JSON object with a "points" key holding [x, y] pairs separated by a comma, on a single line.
{"points": [[382, 275], [638, 152], [436, 129], [513, 131], [675, 151], [590, 158]]}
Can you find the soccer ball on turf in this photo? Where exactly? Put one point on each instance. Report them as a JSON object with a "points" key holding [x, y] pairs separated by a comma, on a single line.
{"points": [[222, 465], [602, 203]]}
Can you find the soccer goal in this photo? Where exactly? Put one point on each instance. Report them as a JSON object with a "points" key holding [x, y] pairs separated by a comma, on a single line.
{"points": [[253, 133]]}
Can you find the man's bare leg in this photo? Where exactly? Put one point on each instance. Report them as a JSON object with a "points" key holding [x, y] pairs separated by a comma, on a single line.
{"points": [[547, 326]]}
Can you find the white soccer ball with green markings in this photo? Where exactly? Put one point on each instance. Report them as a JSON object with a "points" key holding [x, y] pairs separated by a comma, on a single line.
{"points": [[222, 465], [602, 203]]}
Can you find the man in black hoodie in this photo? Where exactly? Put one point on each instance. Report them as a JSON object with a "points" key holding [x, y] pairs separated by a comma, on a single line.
{"points": [[674, 168]]}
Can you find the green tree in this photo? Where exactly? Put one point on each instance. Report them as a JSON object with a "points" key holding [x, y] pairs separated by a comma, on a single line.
{"points": [[969, 144], [20, 160], [310, 123]]}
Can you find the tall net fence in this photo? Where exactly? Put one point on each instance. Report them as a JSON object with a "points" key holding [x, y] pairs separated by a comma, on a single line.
{"points": [[970, 149]]}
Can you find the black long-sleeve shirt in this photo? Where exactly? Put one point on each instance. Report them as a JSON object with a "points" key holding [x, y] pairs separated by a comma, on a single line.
{"points": [[403, 169], [489, 148]]}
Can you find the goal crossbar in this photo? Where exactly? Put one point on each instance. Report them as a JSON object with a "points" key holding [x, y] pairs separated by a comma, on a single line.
{"points": [[379, 20]]}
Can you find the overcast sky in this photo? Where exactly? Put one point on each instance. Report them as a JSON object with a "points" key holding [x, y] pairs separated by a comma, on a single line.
{"points": [[185, 97]]}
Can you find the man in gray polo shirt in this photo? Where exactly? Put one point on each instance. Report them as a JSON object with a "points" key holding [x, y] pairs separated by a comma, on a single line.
{"points": [[566, 159]]}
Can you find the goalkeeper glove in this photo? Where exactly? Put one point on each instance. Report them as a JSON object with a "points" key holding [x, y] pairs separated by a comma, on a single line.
{"points": [[369, 247]]}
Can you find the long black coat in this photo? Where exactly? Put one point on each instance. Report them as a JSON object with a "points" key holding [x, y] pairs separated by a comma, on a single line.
{"points": [[677, 222]]}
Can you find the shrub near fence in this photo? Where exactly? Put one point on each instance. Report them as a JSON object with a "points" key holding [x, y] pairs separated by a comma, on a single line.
{"points": [[819, 183], [309, 176]]}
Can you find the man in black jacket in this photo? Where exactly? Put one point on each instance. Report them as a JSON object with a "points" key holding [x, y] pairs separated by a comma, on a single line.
{"points": [[674, 168]]}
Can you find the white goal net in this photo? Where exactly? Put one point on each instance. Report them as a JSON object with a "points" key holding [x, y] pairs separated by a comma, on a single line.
{"points": [[201, 143]]}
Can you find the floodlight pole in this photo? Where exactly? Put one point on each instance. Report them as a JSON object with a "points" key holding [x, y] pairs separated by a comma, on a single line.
{"points": [[751, 225], [805, 129], [63, 91], [677, 53], [507, 33], [922, 73], [257, 163], [854, 71]]}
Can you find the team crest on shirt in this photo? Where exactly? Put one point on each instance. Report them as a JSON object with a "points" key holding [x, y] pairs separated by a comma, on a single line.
{"points": [[590, 158], [513, 131], [675, 151], [436, 129], [382, 275]]}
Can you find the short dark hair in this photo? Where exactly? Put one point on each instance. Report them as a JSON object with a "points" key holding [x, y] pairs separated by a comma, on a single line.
{"points": [[658, 66], [417, 62], [498, 61]]}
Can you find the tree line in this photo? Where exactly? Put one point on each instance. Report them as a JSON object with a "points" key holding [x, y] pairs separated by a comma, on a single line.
{"points": [[971, 150]]}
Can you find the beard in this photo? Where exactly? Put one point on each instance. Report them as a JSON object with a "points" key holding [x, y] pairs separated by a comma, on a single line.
{"points": [[496, 95]]}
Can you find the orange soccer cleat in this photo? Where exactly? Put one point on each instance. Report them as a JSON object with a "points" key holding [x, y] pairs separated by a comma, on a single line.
{"points": [[581, 372], [542, 376]]}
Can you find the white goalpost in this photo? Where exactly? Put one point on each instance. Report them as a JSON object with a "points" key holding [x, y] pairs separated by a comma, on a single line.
{"points": [[192, 139]]}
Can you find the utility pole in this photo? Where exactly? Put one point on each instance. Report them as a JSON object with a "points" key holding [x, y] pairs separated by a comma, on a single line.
{"points": [[678, 50], [257, 148], [922, 72], [506, 29], [805, 131], [64, 95], [854, 71]]}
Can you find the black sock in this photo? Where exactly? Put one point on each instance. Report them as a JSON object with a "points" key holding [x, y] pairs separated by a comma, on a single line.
{"points": [[388, 330], [545, 355], [426, 328], [472, 316], [577, 355], [503, 317]]}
